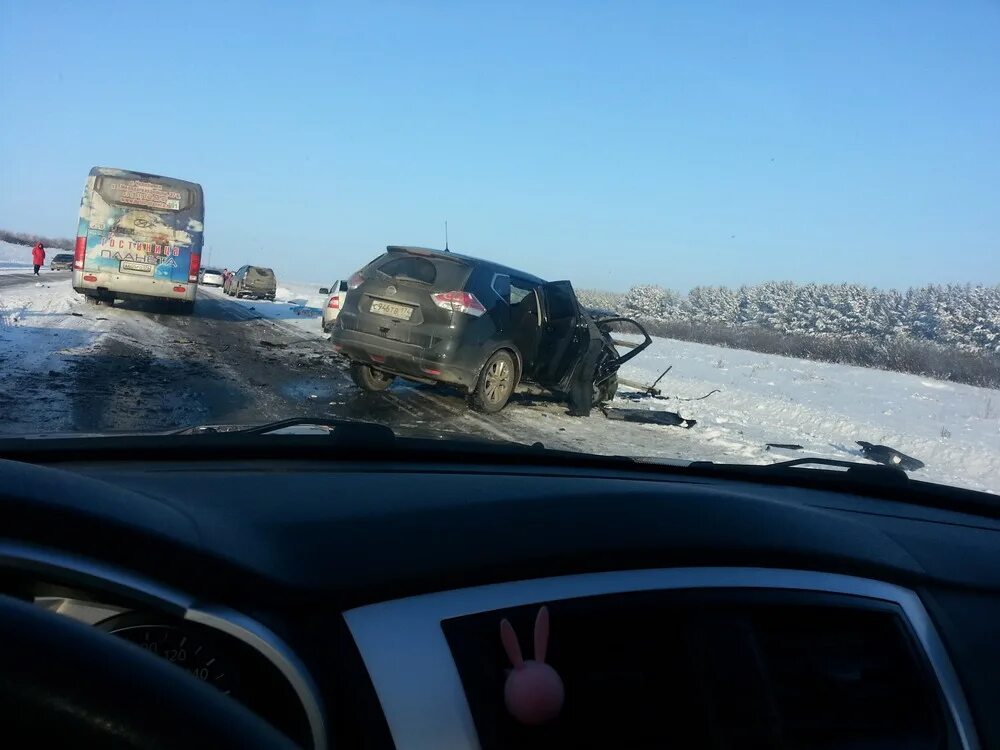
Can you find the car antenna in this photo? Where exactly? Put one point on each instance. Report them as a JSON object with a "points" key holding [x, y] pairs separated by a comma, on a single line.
{"points": [[446, 236]]}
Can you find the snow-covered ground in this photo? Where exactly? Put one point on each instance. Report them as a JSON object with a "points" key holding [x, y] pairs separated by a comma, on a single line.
{"points": [[762, 398], [825, 408], [296, 305], [45, 326], [17, 257]]}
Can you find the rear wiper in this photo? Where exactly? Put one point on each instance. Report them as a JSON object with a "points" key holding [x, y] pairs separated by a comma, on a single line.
{"points": [[358, 431]]}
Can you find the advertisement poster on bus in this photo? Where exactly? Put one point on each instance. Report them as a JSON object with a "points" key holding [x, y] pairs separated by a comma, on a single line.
{"points": [[140, 227]]}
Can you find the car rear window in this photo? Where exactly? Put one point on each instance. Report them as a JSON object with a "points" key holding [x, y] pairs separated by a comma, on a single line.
{"points": [[265, 272], [63, 257], [437, 272], [342, 287]]}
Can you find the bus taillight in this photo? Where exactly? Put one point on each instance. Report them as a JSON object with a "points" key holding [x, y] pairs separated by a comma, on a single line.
{"points": [[80, 253], [193, 268]]}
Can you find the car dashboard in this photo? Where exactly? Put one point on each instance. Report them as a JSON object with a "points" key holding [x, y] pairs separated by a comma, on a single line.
{"points": [[353, 604]]}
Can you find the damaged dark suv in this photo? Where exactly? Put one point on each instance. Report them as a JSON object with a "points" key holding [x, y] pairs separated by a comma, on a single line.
{"points": [[436, 316]]}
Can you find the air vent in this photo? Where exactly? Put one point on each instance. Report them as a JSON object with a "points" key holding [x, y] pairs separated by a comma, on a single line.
{"points": [[845, 678], [713, 669]]}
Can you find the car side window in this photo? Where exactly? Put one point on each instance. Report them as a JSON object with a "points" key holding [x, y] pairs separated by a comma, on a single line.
{"points": [[519, 289], [501, 285]]}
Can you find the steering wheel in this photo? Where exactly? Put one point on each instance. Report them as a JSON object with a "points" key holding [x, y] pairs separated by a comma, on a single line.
{"points": [[65, 684]]}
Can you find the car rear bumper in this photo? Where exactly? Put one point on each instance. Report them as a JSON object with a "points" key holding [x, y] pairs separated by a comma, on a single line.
{"points": [[407, 360], [257, 292]]}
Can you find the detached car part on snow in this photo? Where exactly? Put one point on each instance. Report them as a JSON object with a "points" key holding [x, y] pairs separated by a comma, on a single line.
{"points": [[434, 316]]}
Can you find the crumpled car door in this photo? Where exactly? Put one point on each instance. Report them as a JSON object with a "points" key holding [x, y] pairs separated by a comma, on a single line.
{"points": [[564, 335]]}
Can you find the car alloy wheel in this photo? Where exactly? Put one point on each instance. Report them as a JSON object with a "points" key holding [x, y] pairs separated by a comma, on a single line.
{"points": [[496, 383]]}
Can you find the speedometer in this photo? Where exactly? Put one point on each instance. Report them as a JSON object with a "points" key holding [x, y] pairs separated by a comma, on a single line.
{"points": [[178, 645]]}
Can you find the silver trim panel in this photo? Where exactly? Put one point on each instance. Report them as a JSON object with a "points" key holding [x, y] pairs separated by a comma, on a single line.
{"points": [[418, 685], [234, 624]]}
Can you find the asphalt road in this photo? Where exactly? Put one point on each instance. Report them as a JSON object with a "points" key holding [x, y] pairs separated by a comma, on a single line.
{"points": [[28, 277]]}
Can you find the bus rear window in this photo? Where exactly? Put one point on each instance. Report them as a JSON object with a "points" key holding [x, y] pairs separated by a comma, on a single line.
{"points": [[155, 196]]}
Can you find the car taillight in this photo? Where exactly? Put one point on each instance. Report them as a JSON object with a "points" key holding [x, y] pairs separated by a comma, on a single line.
{"points": [[193, 267], [355, 281], [80, 252], [334, 303], [465, 302]]}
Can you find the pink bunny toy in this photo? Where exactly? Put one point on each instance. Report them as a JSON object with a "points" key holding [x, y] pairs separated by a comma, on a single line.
{"points": [[534, 691]]}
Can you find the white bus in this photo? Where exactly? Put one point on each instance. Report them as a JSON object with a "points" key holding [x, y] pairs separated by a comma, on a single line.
{"points": [[139, 237]]}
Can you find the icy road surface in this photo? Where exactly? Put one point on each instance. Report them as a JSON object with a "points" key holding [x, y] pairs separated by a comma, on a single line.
{"points": [[69, 366]]}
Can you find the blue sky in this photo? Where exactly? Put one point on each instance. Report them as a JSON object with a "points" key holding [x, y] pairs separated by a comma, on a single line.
{"points": [[608, 143]]}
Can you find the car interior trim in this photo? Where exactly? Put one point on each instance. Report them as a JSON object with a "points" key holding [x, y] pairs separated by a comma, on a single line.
{"points": [[15, 555], [422, 695]]}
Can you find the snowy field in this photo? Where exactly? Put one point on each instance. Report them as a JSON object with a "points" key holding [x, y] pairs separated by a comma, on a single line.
{"points": [[762, 398], [14, 257]]}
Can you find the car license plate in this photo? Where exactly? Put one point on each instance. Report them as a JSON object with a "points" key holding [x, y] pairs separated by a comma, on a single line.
{"points": [[381, 307], [134, 267]]}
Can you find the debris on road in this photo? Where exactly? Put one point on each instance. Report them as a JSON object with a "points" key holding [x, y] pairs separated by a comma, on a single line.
{"points": [[784, 446], [666, 418], [271, 345], [883, 454]]}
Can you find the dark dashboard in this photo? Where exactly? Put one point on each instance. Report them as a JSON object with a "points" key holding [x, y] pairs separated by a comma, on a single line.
{"points": [[357, 603]]}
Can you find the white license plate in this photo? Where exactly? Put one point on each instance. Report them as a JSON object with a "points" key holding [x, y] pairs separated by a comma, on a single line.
{"points": [[403, 312], [134, 267]]}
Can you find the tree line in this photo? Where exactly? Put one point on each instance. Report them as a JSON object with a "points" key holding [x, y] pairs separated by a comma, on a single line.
{"points": [[961, 316], [30, 240], [950, 332]]}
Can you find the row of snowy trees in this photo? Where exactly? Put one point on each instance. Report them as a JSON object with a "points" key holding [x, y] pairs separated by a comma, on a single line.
{"points": [[962, 316], [28, 240]]}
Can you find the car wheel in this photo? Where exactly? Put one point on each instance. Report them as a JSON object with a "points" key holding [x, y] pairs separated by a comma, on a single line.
{"points": [[367, 378], [606, 391], [496, 384]]}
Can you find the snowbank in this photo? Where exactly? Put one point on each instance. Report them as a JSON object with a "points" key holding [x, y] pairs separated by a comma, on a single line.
{"points": [[953, 428]]}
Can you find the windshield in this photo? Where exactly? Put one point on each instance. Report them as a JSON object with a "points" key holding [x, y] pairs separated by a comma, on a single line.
{"points": [[796, 202]]}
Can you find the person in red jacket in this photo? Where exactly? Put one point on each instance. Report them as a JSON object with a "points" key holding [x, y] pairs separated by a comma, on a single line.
{"points": [[38, 256]]}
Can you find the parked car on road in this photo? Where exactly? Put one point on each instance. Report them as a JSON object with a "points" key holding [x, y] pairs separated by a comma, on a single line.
{"points": [[253, 281], [211, 277], [61, 262], [436, 316], [337, 292]]}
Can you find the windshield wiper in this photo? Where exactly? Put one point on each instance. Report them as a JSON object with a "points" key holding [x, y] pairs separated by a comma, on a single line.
{"points": [[361, 431], [855, 470]]}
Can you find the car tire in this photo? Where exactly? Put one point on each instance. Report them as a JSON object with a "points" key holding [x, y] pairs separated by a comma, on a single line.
{"points": [[495, 385], [606, 391], [367, 378]]}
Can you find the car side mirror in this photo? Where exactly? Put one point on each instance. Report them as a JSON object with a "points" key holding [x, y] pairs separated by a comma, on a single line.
{"points": [[324, 290]]}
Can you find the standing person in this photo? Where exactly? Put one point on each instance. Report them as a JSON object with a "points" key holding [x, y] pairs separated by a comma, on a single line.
{"points": [[38, 256]]}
